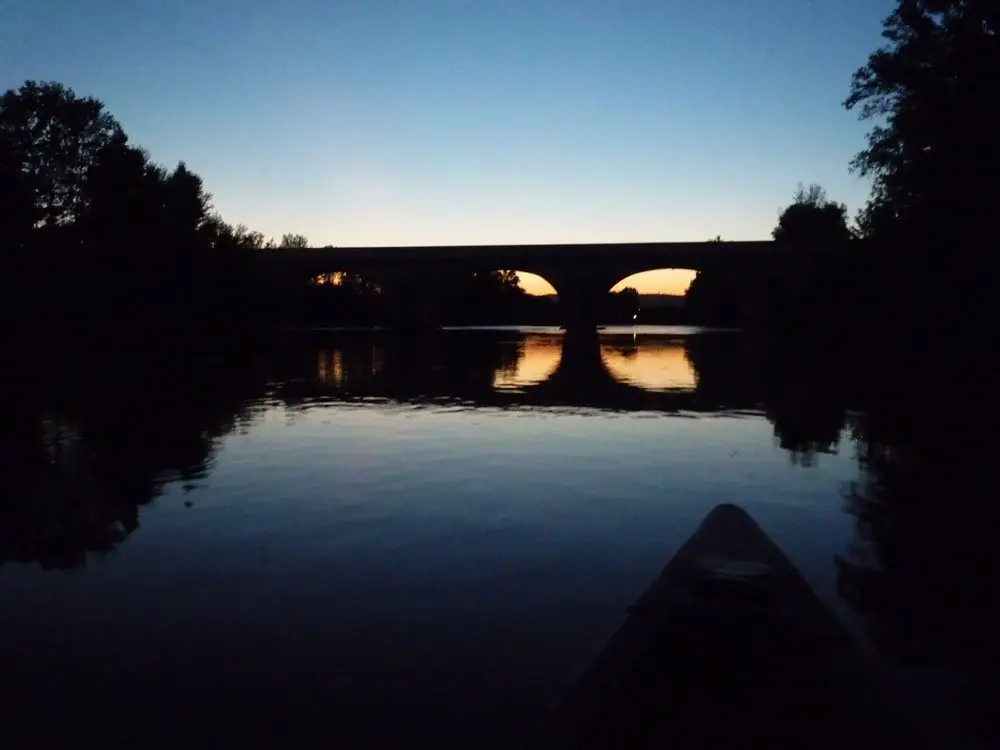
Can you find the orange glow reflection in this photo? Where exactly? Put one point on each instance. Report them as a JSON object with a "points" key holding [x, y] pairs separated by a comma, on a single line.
{"points": [[539, 359], [330, 367], [339, 369], [656, 365]]}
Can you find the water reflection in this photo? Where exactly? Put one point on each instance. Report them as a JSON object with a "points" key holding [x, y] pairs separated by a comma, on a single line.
{"points": [[88, 456], [652, 362], [365, 362], [538, 358]]}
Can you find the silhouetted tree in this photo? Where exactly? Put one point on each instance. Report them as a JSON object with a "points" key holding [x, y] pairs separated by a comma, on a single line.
{"points": [[812, 217], [293, 241], [57, 137], [713, 298], [481, 297], [17, 206], [508, 280], [17, 220], [246, 238], [622, 305], [932, 157], [809, 297], [222, 235], [186, 204], [116, 238]]}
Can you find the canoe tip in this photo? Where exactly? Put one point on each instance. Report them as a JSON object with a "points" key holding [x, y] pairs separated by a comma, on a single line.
{"points": [[727, 513], [727, 508]]}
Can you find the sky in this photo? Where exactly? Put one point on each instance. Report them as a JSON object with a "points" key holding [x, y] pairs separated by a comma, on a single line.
{"points": [[425, 122]]}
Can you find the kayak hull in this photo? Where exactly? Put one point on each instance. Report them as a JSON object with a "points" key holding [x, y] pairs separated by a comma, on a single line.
{"points": [[729, 647]]}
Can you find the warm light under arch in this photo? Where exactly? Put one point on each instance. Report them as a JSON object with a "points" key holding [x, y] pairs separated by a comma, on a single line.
{"points": [[661, 281]]}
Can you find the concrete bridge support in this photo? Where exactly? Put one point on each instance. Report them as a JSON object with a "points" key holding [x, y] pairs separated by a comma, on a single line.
{"points": [[581, 294]]}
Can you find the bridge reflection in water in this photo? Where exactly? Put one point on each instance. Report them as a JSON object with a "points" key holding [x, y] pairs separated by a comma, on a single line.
{"points": [[623, 369]]}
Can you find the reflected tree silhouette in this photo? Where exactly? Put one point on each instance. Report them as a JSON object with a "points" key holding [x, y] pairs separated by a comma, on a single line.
{"points": [[88, 453], [806, 392], [922, 566]]}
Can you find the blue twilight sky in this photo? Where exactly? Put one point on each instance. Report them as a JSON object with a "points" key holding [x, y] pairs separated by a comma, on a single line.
{"points": [[378, 122]]}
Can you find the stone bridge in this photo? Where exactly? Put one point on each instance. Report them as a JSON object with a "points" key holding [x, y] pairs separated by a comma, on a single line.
{"points": [[580, 273]]}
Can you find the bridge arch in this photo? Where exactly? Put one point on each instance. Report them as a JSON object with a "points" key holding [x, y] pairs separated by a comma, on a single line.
{"points": [[654, 296], [666, 280], [536, 285]]}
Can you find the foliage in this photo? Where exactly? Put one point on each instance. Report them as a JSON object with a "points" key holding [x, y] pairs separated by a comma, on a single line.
{"points": [[293, 241], [931, 89], [17, 208], [57, 137], [110, 230], [714, 298], [504, 281], [629, 292], [812, 217]]}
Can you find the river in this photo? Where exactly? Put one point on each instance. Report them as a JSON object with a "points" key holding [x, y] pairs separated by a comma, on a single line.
{"points": [[349, 537]]}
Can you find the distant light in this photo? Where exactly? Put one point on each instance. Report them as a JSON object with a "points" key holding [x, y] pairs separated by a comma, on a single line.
{"points": [[635, 316]]}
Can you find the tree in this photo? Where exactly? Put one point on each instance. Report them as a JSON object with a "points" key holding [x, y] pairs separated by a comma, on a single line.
{"points": [[17, 208], [186, 204], [163, 209], [121, 182], [622, 305], [223, 236], [629, 297], [293, 241], [497, 284], [509, 281], [713, 298], [932, 155], [57, 137], [812, 217], [809, 297]]}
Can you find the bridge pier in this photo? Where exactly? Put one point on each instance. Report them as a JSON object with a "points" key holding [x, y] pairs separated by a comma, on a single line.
{"points": [[581, 294]]}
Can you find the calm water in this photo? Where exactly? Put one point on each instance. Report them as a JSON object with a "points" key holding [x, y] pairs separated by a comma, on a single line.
{"points": [[357, 537]]}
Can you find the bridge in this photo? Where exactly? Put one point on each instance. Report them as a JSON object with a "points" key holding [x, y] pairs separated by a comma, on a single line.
{"points": [[580, 273]]}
